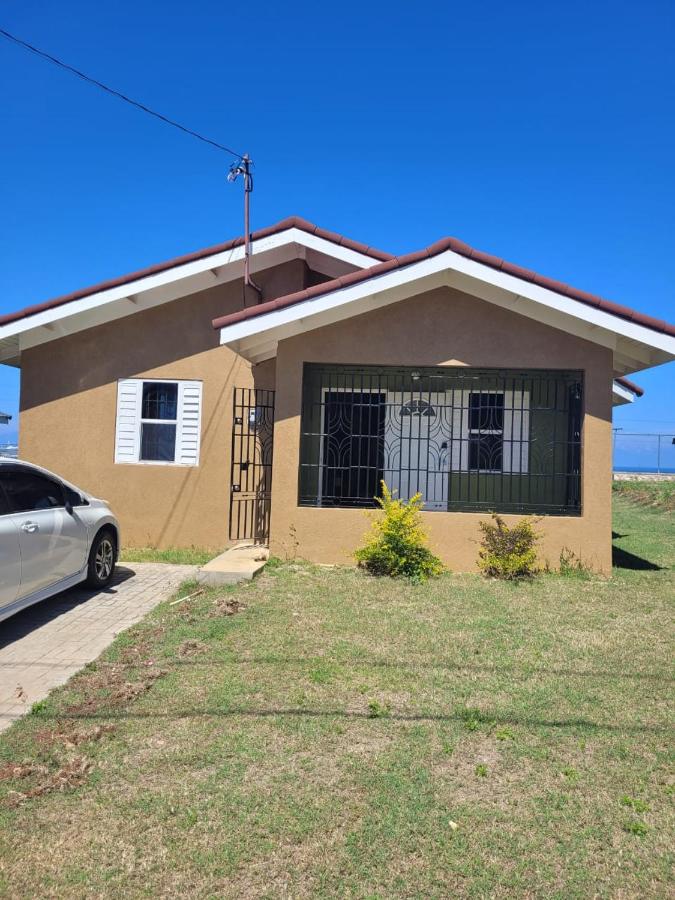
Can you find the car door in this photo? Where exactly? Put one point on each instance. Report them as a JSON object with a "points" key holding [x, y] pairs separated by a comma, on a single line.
{"points": [[52, 540], [10, 556]]}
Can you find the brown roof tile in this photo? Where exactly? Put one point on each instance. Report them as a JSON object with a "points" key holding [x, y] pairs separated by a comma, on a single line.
{"points": [[457, 246], [283, 225], [630, 386]]}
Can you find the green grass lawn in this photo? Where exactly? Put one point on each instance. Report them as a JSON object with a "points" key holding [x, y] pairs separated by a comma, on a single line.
{"points": [[184, 556], [341, 736]]}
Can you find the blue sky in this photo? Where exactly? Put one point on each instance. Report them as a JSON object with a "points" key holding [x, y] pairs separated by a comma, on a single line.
{"points": [[540, 132]]}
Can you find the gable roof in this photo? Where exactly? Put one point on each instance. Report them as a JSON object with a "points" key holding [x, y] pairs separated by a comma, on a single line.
{"points": [[360, 278], [459, 247], [283, 225], [637, 341], [324, 251]]}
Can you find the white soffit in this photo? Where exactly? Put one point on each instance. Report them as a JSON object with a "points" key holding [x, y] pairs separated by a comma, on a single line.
{"points": [[172, 284], [634, 346]]}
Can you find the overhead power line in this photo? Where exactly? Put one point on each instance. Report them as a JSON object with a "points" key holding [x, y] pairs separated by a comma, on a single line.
{"points": [[114, 93]]}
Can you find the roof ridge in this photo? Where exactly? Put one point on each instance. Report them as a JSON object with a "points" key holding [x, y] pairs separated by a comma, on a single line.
{"points": [[283, 225], [435, 249]]}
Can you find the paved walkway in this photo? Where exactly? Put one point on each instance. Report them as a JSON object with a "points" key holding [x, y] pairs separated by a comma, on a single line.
{"points": [[45, 644]]}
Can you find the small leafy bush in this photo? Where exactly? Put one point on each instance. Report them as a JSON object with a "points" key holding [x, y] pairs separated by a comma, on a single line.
{"points": [[397, 544], [508, 553]]}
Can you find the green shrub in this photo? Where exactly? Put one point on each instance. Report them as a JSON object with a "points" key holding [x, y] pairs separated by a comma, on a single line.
{"points": [[397, 544], [508, 552]]}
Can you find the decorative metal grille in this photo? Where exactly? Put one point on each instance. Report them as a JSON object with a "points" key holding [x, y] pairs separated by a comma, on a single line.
{"points": [[466, 439], [251, 471]]}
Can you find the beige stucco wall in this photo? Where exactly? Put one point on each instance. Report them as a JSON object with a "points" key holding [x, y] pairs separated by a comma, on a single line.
{"points": [[442, 327], [68, 411]]}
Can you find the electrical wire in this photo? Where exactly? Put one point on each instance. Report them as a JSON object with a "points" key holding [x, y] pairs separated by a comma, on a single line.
{"points": [[114, 93]]}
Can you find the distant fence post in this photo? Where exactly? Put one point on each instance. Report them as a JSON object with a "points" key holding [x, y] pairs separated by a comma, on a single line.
{"points": [[658, 455]]}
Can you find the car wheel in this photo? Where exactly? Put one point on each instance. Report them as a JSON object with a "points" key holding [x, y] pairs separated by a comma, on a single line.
{"points": [[101, 560]]}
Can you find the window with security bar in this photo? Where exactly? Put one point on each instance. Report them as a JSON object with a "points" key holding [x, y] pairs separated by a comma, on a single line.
{"points": [[466, 439]]}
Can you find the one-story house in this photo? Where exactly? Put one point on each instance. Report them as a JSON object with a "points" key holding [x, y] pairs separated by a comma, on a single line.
{"points": [[206, 410], [5, 418]]}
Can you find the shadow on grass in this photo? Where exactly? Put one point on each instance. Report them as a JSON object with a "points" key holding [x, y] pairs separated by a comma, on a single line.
{"points": [[299, 712], [404, 664], [623, 559]]}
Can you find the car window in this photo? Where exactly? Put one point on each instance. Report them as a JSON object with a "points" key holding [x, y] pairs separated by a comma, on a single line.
{"points": [[30, 491], [4, 506]]}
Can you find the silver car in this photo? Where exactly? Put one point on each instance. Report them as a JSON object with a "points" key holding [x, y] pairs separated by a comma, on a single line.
{"points": [[52, 536]]}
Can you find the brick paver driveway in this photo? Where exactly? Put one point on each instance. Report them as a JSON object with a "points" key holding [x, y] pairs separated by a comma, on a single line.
{"points": [[45, 644]]}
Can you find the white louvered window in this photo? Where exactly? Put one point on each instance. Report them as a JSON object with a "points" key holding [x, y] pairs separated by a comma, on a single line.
{"points": [[158, 422]]}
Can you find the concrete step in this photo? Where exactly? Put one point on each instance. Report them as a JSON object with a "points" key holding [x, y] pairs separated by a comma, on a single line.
{"points": [[239, 563]]}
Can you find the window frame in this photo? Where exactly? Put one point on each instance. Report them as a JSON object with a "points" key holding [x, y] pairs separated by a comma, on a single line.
{"points": [[188, 422], [142, 422], [478, 433]]}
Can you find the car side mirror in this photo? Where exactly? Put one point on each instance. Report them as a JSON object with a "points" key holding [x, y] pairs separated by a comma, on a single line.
{"points": [[69, 507]]}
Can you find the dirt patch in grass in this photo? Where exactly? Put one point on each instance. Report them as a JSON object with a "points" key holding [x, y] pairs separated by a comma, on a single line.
{"points": [[109, 688], [68, 735], [226, 606], [72, 774], [14, 771], [192, 647]]}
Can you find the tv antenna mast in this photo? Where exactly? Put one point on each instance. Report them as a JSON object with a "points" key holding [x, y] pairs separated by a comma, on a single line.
{"points": [[243, 168]]}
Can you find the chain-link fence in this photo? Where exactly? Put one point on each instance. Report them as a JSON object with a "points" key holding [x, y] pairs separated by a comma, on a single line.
{"points": [[649, 453]]}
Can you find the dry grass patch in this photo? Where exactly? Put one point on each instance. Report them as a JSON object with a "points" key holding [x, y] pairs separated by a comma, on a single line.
{"points": [[71, 775], [655, 494]]}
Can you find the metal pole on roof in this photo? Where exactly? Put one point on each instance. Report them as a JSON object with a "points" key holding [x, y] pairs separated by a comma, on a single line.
{"points": [[243, 168]]}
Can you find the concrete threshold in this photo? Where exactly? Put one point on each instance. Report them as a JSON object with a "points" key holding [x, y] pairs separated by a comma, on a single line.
{"points": [[240, 563]]}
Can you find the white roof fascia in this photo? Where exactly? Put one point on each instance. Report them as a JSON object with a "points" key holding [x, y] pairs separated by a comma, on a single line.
{"points": [[643, 346], [172, 283], [621, 395]]}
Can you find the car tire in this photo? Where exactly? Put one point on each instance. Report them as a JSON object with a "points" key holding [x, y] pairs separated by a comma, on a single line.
{"points": [[101, 566]]}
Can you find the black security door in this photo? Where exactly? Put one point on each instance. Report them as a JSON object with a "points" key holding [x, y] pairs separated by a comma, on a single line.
{"points": [[251, 468]]}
